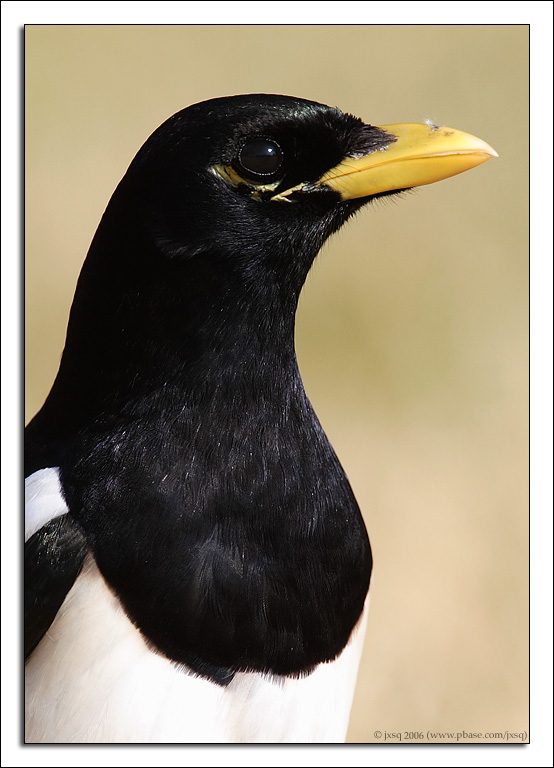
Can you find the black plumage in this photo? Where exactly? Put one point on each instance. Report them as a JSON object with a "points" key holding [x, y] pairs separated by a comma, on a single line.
{"points": [[193, 467]]}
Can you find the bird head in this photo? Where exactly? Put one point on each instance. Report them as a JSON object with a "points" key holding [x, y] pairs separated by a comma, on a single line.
{"points": [[205, 245], [263, 180]]}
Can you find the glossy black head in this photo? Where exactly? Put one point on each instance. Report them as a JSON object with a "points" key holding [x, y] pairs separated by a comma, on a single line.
{"points": [[208, 180], [210, 233]]}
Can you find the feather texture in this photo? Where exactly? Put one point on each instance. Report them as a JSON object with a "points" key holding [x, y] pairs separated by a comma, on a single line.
{"points": [[44, 499], [94, 660]]}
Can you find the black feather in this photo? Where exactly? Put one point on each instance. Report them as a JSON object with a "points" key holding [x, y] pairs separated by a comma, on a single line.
{"points": [[189, 454], [53, 559]]}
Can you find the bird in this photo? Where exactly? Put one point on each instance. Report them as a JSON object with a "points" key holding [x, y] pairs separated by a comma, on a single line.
{"points": [[197, 568]]}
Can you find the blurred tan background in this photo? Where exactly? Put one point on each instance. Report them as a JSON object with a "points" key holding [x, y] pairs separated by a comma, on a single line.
{"points": [[411, 333]]}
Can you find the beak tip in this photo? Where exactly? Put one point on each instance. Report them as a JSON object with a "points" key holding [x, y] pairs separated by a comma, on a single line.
{"points": [[488, 149]]}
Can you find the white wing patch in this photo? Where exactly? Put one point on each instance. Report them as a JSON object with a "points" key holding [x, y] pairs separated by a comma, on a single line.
{"points": [[44, 499], [93, 679]]}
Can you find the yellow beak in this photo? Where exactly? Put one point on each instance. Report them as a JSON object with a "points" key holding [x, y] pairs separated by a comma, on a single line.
{"points": [[422, 154]]}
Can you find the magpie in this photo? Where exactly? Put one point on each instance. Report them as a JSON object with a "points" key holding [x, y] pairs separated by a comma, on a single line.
{"points": [[196, 565]]}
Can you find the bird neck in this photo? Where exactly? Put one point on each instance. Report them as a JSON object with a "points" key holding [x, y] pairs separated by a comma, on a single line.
{"points": [[141, 324]]}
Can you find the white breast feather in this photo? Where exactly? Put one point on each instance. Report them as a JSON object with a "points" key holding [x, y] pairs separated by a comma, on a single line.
{"points": [[93, 679]]}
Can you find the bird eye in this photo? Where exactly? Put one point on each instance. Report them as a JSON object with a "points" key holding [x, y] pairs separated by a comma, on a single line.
{"points": [[261, 157]]}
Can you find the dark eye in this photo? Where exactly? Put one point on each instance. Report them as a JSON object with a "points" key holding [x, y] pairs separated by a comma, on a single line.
{"points": [[261, 157]]}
